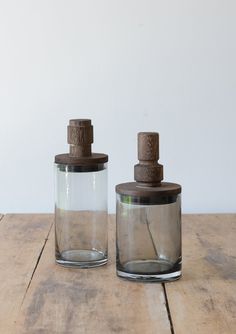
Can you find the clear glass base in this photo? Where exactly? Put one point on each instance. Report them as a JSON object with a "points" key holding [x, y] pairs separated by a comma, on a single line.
{"points": [[81, 258], [150, 271]]}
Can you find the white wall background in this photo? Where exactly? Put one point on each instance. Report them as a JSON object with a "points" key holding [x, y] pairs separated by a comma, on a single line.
{"points": [[130, 65]]}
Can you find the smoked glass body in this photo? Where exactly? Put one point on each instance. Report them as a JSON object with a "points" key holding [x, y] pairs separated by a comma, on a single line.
{"points": [[81, 215], [148, 236]]}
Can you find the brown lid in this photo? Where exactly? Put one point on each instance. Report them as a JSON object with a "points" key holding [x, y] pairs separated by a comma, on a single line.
{"points": [[134, 189], [80, 138], [148, 174]]}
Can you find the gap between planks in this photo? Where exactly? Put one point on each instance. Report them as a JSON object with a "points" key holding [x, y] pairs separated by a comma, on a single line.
{"points": [[36, 265], [168, 309]]}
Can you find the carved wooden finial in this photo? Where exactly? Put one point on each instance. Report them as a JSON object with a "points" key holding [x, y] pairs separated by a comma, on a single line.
{"points": [[80, 137], [148, 172]]}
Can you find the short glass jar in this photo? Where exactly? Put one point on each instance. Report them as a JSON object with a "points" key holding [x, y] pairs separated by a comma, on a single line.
{"points": [[148, 220], [148, 235]]}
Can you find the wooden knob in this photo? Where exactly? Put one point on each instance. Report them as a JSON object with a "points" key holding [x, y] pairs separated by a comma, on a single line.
{"points": [[80, 137], [148, 146], [148, 172]]}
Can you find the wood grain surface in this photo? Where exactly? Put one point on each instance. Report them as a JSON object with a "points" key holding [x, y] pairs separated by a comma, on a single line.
{"points": [[37, 296], [204, 300], [22, 238], [69, 301]]}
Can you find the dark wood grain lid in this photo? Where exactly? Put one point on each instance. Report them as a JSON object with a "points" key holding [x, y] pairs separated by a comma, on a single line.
{"points": [[95, 158], [135, 189]]}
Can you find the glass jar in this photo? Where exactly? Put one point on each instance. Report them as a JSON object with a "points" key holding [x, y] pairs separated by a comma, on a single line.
{"points": [[81, 201], [148, 237], [81, 215], [148, 219]]}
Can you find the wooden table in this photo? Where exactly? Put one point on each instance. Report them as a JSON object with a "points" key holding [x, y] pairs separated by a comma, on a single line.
{"points": [[37, 296]]}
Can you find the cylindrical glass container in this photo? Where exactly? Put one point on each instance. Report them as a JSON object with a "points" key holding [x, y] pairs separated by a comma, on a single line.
{"points": [[149, 237], [148, 220], [81, 205]]}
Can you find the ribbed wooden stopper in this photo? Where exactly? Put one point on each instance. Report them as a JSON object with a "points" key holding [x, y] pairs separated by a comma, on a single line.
{"points": [[148, 172], [80, 137]]}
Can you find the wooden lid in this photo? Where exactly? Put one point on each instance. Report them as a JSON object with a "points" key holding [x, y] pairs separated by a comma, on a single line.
{"points": [[135, 189], [80, 138]]}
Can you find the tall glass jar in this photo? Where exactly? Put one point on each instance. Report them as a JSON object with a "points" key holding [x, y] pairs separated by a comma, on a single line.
{"points": [[148, 220], [81, 203]]}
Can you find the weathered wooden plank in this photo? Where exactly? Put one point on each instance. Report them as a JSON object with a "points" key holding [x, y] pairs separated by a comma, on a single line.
{"points": [[21, 240], [89, 301], [204, 301]]}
